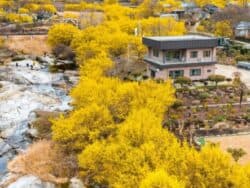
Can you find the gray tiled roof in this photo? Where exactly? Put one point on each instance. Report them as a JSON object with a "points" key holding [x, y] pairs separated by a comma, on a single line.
{"points": [[180, 42]]}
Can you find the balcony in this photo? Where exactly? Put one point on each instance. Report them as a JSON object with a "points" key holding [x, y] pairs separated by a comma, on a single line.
{"points": [[179, 62], [185, 60]]}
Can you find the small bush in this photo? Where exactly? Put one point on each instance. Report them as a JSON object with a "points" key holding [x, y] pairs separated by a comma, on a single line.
{"points": [[236, 153], [216, 78], [43, 159], [183, 80], [1, 42], [53, 69], [63, 52], [43, 124], [178, 103], [18, 58], [203, 96], [219, 118]]}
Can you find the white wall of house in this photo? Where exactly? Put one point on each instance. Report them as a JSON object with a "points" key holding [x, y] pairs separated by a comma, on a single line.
{"points": [[187, 56], [200, 57], [151, 55], [164, 73]]}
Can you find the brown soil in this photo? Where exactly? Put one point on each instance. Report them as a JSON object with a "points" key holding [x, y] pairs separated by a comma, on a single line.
{"points": [[34, 45], [239, 141]]}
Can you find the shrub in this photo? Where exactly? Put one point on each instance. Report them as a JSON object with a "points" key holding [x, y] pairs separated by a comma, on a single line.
{"points": [[203, 95], [236, 153], [63, 52], [43, 159], [216, 78], [61, 34], [178, 103], [53, 69], [18, 18], [1, 42], [23, 11], [219, 118], [183, 80], [43, 124]]}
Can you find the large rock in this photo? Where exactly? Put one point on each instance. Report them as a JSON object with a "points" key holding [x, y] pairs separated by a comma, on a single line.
{"points": [[24, 91], [31, 182], [32, 133], [76, 183], [4, 147], [45, 60]]}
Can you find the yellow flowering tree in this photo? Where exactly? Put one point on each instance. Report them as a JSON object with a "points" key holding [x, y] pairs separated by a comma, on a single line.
{"points": [[61, 34], [115, 129]]}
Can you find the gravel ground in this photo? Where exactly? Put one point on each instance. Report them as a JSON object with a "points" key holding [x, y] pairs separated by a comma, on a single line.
{"points": [[238, 141], [228, 70]]}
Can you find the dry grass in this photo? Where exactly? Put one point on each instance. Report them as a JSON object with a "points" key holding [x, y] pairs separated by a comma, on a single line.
{"points": [[44, 160], [239, 141], [43, 124], [75, 13], [34, 45]]}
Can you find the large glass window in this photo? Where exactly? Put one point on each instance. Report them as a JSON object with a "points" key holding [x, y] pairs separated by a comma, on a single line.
{"points": [[155, 52], [193, 54], [173, 55], [195, 72], [176, 73], [207, 53]]}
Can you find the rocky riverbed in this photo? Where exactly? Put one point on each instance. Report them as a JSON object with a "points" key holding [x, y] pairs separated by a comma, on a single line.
{"points": [[23, 90]]}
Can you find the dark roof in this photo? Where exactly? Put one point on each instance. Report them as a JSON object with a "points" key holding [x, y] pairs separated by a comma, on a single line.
{"points": [[180, 42], [177, 65]]}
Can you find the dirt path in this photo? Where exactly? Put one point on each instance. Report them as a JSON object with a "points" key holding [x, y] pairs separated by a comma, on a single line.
{"points": [[234, 141], [228, 71]]}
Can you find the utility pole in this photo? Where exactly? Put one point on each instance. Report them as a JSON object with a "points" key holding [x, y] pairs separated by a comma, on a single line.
{"points": [[159, 27], [128, 57]]}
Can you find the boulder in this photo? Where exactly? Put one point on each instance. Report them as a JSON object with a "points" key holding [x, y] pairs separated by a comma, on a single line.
{"points": [[19, 57], [32, 182], [71, 73], [4, 147], [76, 183], [45, 60], [32, 133], [196, 102], [7, 133], [221, 125]]}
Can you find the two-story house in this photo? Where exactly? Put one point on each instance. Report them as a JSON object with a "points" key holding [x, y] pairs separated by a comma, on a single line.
{"points": [[191, 56], [242, 30]]}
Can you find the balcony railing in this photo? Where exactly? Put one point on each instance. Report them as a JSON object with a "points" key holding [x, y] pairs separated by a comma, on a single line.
{"points": [[181, 61], [193, 60]]}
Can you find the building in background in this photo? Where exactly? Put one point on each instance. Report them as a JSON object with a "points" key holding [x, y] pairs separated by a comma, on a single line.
{"points": [[242, 30], [191, 56]]}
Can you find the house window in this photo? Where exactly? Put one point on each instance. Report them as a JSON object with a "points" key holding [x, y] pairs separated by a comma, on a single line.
{"points": [[155, 53], [173, 55], [195, 72], [176, 73], [193, 54], [209, 70], [207, 53]]}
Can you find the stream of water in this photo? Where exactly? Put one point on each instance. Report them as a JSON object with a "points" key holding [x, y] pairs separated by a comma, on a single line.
{"points": [[22, 91]]}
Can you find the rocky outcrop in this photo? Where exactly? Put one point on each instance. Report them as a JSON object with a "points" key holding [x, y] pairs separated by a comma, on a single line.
{"points": [[25, 90], [30, 182], [76, 183]]}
